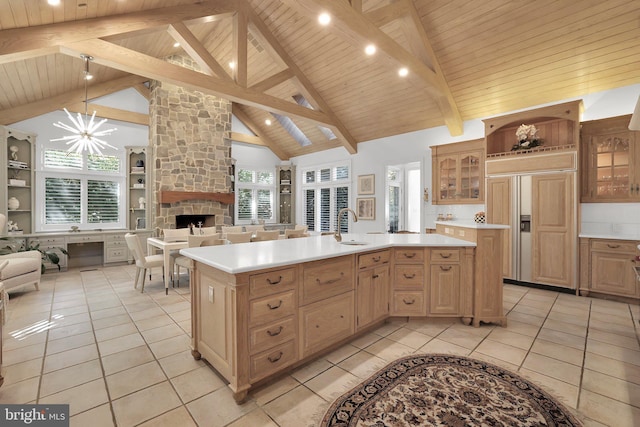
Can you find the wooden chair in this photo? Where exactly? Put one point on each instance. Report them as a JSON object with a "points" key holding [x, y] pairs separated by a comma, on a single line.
{"points": [[254, 228], [208, 231], [295, 233], [175, 234], [266, 235], [244, 237], [230, 229], [143, 262], [196, 241]]}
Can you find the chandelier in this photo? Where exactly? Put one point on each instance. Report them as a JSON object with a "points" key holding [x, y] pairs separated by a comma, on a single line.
{"points": [[84, 130]]}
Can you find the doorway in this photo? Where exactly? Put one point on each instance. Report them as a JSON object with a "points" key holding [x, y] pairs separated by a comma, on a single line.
{"points": [[403, 197]]}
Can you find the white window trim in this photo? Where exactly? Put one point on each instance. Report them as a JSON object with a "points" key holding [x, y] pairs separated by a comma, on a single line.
{"points": [[317, 185], [254, 187]]}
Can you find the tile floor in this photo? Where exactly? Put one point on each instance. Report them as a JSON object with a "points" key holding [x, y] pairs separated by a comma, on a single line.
{"points": [[121, 358]]}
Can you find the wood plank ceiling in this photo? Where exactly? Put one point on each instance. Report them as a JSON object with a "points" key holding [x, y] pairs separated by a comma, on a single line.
{"points": [[466, 59]]}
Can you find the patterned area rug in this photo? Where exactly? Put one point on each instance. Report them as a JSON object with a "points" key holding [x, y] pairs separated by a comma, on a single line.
{"points": [[446, 390]]}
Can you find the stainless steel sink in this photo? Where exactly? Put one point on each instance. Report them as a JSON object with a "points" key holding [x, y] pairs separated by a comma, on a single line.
{"points": [[354, 243]]}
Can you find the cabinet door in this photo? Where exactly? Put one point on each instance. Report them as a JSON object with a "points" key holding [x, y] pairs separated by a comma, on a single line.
{"points": [[499, 212], [372, 296], [326, 322], [444, 289], [470, 179], [447, 178], [612, 273]]}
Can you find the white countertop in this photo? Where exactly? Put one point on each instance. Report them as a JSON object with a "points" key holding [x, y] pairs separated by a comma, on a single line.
{"points": [[613, 236], [244, 257], [472, 224]]}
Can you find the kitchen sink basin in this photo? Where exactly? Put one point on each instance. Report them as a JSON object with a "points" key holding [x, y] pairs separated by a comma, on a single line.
{"points": [[353, 243]]}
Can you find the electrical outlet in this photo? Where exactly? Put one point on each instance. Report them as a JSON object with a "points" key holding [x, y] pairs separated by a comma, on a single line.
{"points": [[211, 294]]}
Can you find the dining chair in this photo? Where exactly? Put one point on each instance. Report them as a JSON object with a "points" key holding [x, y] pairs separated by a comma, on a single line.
{"points": [[295, 233], [254, 228], [175, 234], [143, 261], [196, 241], [244, 237], [208, 231], [231, 229], [266, 235], [301, 227]]}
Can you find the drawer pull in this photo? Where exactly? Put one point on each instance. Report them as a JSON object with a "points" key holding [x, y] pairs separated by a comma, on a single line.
{"points": [[609, 245], [409, 255], [445, 256], [443, 268], [409, 276], [375, 276], [375, 259], [275, 359], [330, 281], [273, 334], [274, 282], [275, 306], [408, 302]]}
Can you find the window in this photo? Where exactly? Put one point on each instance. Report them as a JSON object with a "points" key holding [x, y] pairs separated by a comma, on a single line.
{"points": [[325, 191], [82, 190], [404, 197], [255, 195]]}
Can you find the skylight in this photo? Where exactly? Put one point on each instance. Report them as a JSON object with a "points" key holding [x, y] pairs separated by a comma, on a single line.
{"points": [[293, 130], [301, 100]]}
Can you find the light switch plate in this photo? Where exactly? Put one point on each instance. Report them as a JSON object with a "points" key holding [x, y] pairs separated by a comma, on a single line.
{"points": [[211, 294]]}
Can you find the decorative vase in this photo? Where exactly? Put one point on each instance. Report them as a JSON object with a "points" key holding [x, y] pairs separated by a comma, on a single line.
{"points": [[13, 204], [479, 218]]}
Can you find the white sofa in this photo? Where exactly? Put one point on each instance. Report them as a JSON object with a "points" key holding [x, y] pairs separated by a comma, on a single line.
{"points": [[23, 269]]}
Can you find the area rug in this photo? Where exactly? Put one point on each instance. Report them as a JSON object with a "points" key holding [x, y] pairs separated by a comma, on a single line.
{"points": [[446, 390]]}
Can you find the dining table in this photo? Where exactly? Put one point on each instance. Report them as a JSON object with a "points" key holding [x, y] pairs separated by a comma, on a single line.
{"points": [[166, 246]]}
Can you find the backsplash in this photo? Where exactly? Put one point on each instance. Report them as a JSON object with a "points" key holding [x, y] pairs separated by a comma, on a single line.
{"points": [[611, 219]]}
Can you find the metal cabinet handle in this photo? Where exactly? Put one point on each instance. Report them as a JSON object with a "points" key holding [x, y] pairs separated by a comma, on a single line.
{"points": [[275, 306], [410, 255], [445, 256], [375, 258], [408, 302], [612, 246], [275, 359], [443, 268], [375, 276], [274, 282], [409, 276], [330, 281], [273, 334]]}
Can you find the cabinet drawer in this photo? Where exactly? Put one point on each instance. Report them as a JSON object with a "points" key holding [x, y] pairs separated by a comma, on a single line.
{"points": [[272, 282], [614, 246], [326, 322], [271, 308], [408, 304], [411, 276], [409, 255], [116, 255], [84, 239], [326, 278], [116, 244], [373, 259], [444, 255], [114, 238], [271, 361], [264, 337], [47, 241]]}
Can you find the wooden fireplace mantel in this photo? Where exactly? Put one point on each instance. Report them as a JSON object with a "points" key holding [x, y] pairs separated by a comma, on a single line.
{"points": [[180, 196]]}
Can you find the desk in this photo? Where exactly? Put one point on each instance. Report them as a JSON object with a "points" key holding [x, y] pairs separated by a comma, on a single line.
{"points": [[166, 247]]}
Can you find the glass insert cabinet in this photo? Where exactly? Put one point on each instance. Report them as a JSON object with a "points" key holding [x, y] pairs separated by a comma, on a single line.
{"points": [[286, 177], [458, 171]]}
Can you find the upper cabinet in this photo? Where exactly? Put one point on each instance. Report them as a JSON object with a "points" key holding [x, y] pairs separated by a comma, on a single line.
{"points": [[286, 202], [138, 192], [17, 201], [458, 173], [610, 161]]}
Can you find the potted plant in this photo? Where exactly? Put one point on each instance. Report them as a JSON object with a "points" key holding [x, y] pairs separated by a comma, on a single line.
{"points": [[10, 245]]}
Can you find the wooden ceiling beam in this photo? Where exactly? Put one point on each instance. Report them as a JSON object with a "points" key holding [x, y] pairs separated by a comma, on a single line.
{"points": [[237, 111], [356, 5], [58, 102], [240, 39], [143, 90], [110, 113], [358, 30], [382, 15], [25, 39], [273, 81], [196, 50], [348, 141], [130, 61]]}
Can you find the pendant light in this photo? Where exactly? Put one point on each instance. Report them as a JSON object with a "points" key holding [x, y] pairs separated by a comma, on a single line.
{"points": [[84, 131]]}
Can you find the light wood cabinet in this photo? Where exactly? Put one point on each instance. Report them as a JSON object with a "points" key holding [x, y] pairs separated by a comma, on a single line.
{"points": [[324, 323], [372, 290], [409, 282], [610, 160], [608, 267], [499, 211], [458, 172], [17, 176], [444, 288]]}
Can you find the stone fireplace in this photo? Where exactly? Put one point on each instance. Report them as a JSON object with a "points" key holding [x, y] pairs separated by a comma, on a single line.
{"points": [[189, 133]]}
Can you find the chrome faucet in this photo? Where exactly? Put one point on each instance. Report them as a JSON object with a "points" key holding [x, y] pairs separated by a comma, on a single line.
{"points": [[337, 234]]}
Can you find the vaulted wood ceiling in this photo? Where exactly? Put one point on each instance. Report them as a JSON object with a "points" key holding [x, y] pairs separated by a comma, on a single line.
{"points": [[466, 59]]}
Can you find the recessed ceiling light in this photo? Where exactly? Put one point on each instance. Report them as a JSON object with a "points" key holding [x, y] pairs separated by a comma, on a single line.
{"points": [[53, 2], [232, 65], [268, 122], [370, 49], [176, 44], [403, 72], [324, 18]]}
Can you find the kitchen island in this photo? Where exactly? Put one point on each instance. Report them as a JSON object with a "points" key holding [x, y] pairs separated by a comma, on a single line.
{"points": [[261, 308]]}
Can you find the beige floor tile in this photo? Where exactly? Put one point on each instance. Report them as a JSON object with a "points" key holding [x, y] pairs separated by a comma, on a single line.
{"points": [[145, 404], [218, 408], [413, 339], [181, 315], [429, 327], [332, 383], [111, 321], [100, 416], [127, 359], [564, 392], [568, 318], [608, 411], [342, 353], [614, 328], [69, 343], [502, 351], [363, 364], [20, 354], [21, 392], [178, 417], [389, 350], [104, 304], [501, 363], [532, 311], [68, 358], [67, 331], [196, 383], [146, 314], [170, 346], [72, 319], [462, 337], [70, 310], [155, 322], [615, 339], [310, 370], [390, 326], [557, 351], [563, 338], [162, 333], [505, 336], [553, 368], [119, 344], [522, 328], [298, 408], [11, 342], [615, 368], [134, 379], [255, 418], [365, 340], [80, 398], [72, 376], [614, 352], [274, 389], [624, 391], [568, 328], [179, 363], [22, 371], [437, 346], [117, 331]]}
